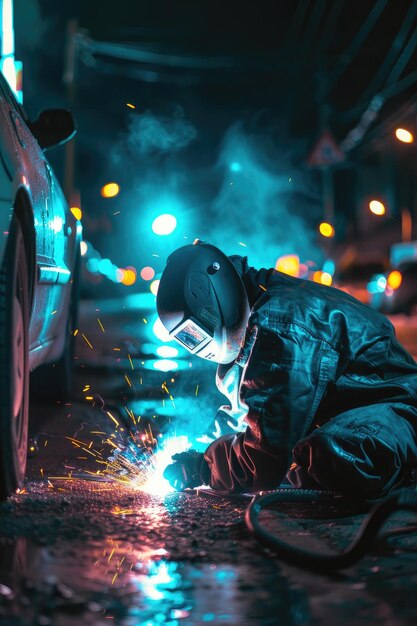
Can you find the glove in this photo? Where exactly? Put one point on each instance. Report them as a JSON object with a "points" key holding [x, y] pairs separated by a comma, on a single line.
{"points": [[189, 470]]}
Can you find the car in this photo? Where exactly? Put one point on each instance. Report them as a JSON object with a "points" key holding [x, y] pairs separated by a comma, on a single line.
{"points": [[396, 290], [39, 252], [354, 278]]}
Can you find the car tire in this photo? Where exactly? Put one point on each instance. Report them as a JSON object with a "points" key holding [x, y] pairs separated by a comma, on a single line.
{"points": [[53, 381], [14, 362]]}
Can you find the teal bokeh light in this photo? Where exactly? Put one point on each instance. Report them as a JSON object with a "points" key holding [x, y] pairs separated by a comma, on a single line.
{"points": [[164, 224], [167, 352], [235, 166]]}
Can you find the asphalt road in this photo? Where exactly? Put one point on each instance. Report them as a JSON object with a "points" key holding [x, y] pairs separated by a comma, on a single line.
{"points": [[84, 544]]}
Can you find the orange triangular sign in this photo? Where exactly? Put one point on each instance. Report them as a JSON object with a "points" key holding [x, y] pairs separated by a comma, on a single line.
{"points": [[326, 151]]}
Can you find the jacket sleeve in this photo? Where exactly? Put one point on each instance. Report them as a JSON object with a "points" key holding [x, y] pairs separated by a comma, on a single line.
{"points": [[286, 376]]}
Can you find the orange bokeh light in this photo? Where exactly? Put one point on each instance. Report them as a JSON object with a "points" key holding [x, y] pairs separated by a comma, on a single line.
{"points": [[129, 277], [394, 279], [76, 211], [110, 190]]}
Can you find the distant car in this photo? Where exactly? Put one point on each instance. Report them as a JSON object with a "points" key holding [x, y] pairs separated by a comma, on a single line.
{"points": [[354, 278], [39, 248], [397, 291]]}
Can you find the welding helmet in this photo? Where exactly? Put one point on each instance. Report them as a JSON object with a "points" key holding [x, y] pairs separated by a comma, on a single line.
{"points": [[202, 302]]}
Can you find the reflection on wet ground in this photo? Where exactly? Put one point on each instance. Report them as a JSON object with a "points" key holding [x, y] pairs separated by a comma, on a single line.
{"points": [[82, 545], [114, 581]]}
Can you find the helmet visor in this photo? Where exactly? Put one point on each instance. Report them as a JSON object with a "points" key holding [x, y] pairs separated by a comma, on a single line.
{"points": [[191, 335]]}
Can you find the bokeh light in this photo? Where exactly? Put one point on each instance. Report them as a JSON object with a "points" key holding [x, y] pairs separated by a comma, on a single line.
{"points": [[161, 332], [326, 279], [129, 277], [167, 352], [120, 274], [164, 224], [147, 273], [376, 207], [76, 211], [404, 135], [165, 365], [235, 167], [83, 248], [110, 190], [326, 229], [288, 264], [394, 279], [154, 287]]}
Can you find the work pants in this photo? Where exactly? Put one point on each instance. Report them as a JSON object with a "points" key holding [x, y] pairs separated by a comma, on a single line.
{"points": [[367, 451]]}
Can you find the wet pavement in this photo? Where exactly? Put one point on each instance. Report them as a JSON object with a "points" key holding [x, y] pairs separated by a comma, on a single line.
{"points": [[83, 544]]}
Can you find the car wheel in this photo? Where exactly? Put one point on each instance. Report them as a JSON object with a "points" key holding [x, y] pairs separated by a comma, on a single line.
{"points": [[14, 362], [54, 380]]}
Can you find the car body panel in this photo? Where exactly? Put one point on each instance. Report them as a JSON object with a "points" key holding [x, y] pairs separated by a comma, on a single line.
{"points": [[24, 169]]}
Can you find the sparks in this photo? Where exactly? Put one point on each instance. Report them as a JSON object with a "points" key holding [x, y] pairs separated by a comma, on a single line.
{"points": [[101, 325], [131, 362], [128, 380], [86, 340], [130, 105], [113, 418]]}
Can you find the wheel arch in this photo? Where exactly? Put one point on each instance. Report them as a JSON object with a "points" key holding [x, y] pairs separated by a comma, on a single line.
{"points": [[24, 212]]}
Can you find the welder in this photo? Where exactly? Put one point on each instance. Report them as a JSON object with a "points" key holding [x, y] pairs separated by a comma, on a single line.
{"points": [[327, 393]]}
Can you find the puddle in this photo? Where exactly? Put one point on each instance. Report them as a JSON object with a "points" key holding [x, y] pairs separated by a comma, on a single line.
{"points": [[114, 582]]}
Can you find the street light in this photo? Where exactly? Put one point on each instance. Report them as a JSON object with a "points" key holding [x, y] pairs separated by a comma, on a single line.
{"points": [[377, 207], [326, 229], [404, 135]]}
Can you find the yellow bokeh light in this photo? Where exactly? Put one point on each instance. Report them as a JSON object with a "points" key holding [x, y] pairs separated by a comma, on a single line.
{"points": [[129, 277], [404, 135], [326, 229], [394, 279], [288, 264], [110, 190], [154, 287], [326, 279], [376, 207], [317, 276], [76, 211]]}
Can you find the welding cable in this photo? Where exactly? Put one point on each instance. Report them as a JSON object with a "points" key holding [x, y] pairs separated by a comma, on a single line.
{"points": [[403, 500]]}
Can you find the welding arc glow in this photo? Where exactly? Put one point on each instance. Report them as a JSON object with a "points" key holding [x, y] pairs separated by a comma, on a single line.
{"points": [[156, 483], [164, 224]]}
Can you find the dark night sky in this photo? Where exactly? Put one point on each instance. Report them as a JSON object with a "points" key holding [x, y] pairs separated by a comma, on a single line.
{"points": [[278, 57]]}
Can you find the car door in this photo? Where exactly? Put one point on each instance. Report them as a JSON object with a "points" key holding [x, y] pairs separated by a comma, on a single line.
{"points": [[30, 174]]}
